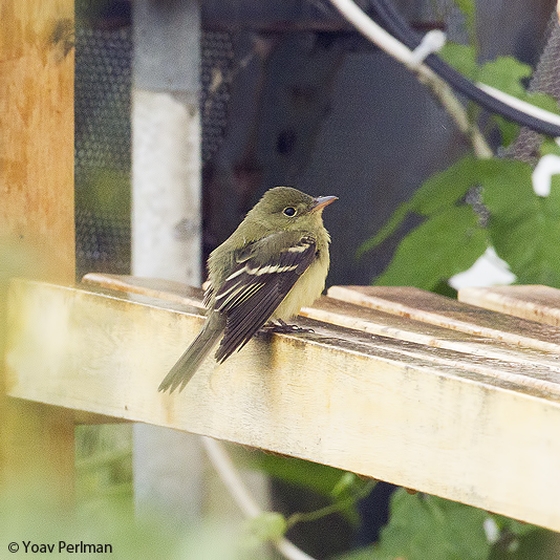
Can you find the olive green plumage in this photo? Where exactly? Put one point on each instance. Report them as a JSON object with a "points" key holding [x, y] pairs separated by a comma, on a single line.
{"points": [[271, 266]]}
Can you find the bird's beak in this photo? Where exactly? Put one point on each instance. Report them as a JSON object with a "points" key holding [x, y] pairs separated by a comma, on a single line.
{"points": [[321, 201]]}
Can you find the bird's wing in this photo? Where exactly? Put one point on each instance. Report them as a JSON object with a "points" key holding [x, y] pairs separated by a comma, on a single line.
{"points": [[266, 271]]}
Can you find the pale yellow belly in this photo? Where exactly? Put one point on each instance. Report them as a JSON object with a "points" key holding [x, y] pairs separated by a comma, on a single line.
{"points": [[305, 291]]}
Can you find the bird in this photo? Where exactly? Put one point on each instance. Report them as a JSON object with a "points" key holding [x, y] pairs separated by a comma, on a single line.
{"points": [[272, 265]]}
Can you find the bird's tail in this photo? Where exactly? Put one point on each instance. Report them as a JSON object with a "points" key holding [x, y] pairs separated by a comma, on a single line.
{"points": [[193, 356]]}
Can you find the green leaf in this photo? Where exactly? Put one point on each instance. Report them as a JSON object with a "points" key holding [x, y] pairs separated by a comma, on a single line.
{"points": [[543, 100], [509, 131], [512, 526], [462, 58], [269, 526], [346, 485], [319, 478], [521, 541], [466, 6], [342, 489], [426, 527], [447, 243], [549, 146], [447, 187], [396, 219], [437, 192], [505, 73], [523, 227], [507, 186]]}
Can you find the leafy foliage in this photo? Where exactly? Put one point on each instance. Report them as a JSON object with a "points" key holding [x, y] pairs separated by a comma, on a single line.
{"points": [[424, 526], [343, 489], [524, 228], [465, 209], [462, 58], [521, 226], [319, 478], [428, 527], [450, 252], [451, 234], [104, 466], [269, 526]]}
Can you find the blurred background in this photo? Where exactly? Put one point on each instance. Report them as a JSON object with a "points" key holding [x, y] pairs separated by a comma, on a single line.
{"points": [[289, 94]]}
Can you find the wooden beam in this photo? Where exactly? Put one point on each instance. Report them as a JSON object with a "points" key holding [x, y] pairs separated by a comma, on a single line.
{"points": [[534, 303], [434, 309], [36, 212], [464, 426], [37, 124]]}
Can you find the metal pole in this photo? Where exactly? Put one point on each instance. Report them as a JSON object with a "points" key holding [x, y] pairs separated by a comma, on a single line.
{"points": [[166, 205]]}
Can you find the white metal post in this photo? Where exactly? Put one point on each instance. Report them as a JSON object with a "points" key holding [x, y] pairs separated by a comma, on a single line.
{"points": [[166, 207]]}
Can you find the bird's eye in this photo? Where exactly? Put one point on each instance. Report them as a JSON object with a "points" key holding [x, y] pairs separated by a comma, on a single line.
{"points": [[289, 211]]}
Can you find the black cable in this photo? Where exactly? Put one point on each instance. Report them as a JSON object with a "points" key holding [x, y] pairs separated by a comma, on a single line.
{"points": [[394, 23]]}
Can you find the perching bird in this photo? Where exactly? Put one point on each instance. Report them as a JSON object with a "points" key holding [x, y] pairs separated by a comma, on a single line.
{"points": [[271, 266]]}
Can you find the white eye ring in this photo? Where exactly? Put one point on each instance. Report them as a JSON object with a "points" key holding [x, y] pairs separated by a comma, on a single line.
{"points": [[289, 211]]}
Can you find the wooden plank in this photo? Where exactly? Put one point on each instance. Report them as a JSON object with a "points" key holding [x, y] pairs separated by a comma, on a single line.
{"points": [[169, 290], [338, 312], [534, 303], [36, 213], [38, 446], [37, 124], [438, 310], [422, 417]]}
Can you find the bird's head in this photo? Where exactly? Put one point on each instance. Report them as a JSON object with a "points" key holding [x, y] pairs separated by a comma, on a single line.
{"points": [[286, 208]]}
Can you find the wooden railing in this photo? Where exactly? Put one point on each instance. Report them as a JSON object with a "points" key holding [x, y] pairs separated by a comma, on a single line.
{"points": [[394, 383]]}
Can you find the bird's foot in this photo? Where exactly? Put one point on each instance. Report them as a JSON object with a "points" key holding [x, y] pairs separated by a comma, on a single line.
{"points": [[285, 328]]}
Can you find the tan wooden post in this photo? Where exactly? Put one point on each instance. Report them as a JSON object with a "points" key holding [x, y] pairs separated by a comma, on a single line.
{"points": [[36, 212]]}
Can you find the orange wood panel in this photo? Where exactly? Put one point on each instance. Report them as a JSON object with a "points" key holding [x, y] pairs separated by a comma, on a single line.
{"points": [[36, 213], [37, 124]]}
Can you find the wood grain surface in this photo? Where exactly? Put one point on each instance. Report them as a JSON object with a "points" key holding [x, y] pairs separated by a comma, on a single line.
{"points": [[372, 392], [36, 215], [535, 303]]}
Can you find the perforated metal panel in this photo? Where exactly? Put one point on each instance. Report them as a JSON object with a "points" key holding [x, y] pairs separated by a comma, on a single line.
{"points": [[216, 75], [102, 150], [546, 78], [103, 137]]}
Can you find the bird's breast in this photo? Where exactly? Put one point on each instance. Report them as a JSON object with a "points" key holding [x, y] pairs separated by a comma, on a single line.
{"points": [[305, 291]]}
